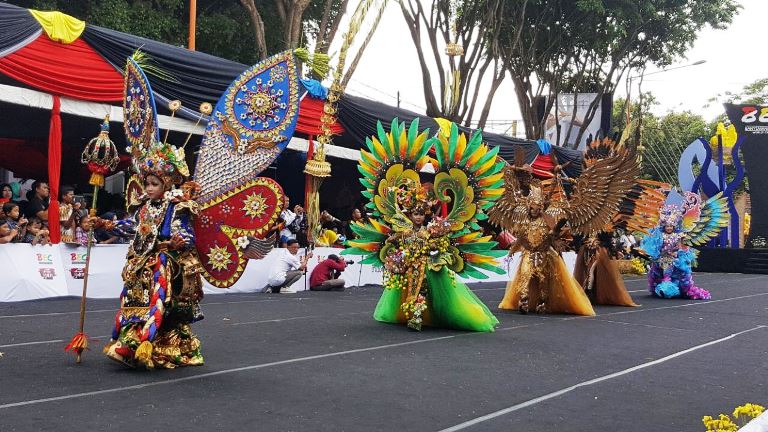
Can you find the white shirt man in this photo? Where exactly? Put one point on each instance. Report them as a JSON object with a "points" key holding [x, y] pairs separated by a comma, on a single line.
{"points": [[288, 268], [627, 241]]}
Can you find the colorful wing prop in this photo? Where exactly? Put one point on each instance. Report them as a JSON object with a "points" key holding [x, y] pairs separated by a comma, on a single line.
{"points": [[468, 179], [600, 189], [702, 222], [638, 210], [595, 201], [251, 124], [139, 110]]}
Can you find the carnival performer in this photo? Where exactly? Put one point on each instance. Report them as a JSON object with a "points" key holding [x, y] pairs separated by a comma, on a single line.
{"points": [[669, 246], [422, 252], [598, 273], [162, 285], [596, 268], [541, 217]]}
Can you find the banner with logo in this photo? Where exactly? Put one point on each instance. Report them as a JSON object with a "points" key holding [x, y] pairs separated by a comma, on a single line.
{"points": [[31, 272], [751, 122], [35, 272]]}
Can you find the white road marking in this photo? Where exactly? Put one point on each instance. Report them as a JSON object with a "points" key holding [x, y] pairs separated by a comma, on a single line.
{"points": [[565, 390]]}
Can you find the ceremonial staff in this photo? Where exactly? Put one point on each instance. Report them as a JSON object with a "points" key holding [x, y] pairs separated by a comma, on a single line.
{"points": [[101, 157]]}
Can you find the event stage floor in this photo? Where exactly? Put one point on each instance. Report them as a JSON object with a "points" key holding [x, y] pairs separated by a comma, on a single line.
{"points": [[319, 362]]}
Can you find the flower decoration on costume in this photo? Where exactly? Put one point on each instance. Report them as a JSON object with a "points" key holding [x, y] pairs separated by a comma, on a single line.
{"points": [[166, 162], [255, 205], [243, 242]]}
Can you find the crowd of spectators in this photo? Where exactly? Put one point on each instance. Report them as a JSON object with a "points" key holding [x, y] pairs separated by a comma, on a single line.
{"points": [[24, 219]]}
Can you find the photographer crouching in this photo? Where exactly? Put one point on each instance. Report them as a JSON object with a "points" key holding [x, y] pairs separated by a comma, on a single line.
{"points": [[325, 276]]}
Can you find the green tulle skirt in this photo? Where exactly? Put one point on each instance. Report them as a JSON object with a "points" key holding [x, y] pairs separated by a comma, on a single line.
{"points": [[450, 304]]}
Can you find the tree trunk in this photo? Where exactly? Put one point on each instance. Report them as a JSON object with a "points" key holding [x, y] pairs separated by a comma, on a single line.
{"points": [[433, 109], [258, 27], [497, 80]]}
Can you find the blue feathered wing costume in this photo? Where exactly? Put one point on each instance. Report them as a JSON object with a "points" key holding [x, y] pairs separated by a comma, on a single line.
{"points": [[669, 245]]}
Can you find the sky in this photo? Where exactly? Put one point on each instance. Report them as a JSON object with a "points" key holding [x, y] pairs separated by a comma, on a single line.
{"points": [[734, 57]]}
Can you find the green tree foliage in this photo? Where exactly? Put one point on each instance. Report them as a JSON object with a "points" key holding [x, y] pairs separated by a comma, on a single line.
{"points": [[552, 46], [223, 27], [663, 138], [755, 92]]}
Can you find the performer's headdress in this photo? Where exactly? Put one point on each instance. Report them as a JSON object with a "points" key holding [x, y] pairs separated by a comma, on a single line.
{"points": [[151, 156], [670, 215], [165, 161], [535, 196], [682, 216], [413, 197]]}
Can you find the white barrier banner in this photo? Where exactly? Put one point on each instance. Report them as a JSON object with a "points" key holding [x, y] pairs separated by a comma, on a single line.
{"points": [[32, 272]]}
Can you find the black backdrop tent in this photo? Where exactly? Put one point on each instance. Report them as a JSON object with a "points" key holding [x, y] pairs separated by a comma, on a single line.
{"points": [[200, 77]]}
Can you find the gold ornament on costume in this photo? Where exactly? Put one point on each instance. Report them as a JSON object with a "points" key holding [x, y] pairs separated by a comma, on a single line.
{"points": [[219, 258], [100, 155], [255, 205], [317, 167], [206, 108]]}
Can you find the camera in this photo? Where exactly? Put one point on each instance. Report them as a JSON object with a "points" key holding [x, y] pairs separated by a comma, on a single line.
{"points": [[349, 262]]}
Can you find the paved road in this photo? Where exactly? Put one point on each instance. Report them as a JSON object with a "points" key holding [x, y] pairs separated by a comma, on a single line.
{"points": [[318, 362]]}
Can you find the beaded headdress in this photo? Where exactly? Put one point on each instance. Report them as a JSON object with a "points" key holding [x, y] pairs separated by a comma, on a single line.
{"points": [[415, 197], [670, 215], [676, 215], [165, 161]]}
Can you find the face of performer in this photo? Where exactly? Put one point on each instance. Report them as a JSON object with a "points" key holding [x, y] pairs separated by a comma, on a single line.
{"points": [[669, 229], [417, 217], [534, 210], [153, 186]]}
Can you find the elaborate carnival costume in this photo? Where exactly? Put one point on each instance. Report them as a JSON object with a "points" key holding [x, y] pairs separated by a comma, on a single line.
{"points": [[421, 260], [669, 245], [162, 285], [596, 269], [537, 214], [224, 217]]}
